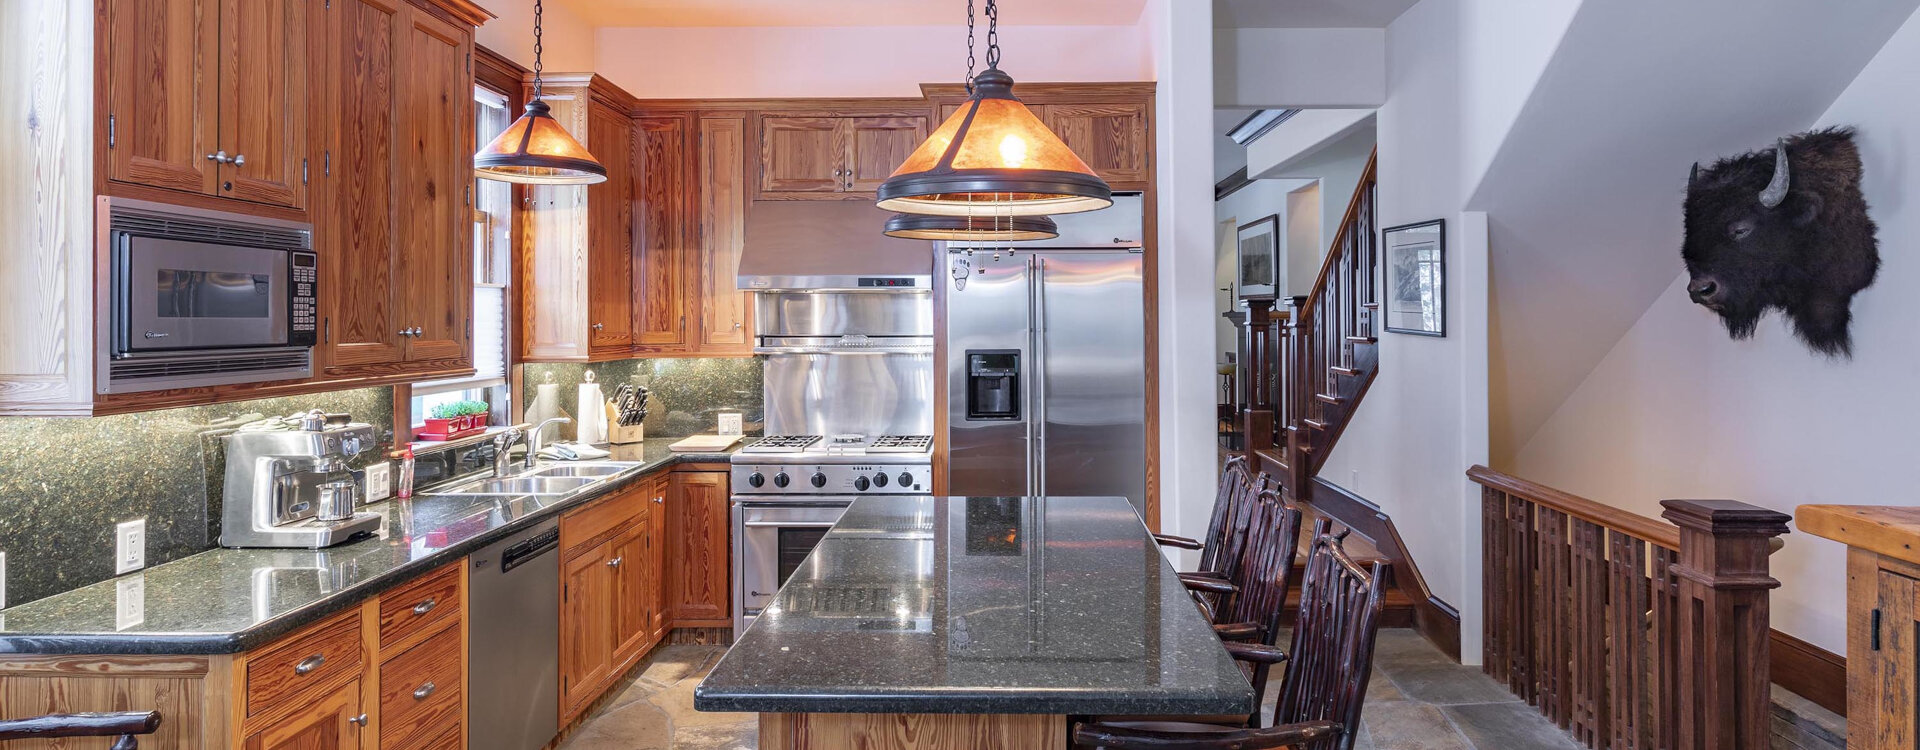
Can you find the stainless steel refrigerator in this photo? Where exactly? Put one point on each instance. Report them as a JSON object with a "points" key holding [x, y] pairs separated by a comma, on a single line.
{"points": [[1046, 371]]}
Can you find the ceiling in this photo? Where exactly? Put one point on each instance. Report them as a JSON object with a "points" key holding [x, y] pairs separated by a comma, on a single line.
{"points": [[851, 12], [1227, 155], [1307, 14]]}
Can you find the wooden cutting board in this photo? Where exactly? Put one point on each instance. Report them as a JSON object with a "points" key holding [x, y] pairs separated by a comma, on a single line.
{"points": [[705, 444]]}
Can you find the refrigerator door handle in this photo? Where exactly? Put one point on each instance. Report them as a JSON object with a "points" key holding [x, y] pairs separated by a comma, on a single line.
{"points": [[1032, 377], [1039, 367]]}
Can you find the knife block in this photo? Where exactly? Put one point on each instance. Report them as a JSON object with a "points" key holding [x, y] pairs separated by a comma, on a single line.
{"points": [[619, 434]]}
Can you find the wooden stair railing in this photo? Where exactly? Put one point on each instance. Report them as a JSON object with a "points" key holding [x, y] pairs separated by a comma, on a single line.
{"points": [[1626, 631], [1308, 366]]}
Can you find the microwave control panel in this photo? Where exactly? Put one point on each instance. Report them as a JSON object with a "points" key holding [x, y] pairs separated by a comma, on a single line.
{"points": [[302, 319]]}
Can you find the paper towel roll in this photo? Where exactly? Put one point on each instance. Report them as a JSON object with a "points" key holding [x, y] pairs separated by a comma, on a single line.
{"points": [[592, 415]]}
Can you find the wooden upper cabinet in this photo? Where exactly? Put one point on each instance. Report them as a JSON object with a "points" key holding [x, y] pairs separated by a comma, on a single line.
{"points": [[360, 171], [436, 189], [263, 100], [1111, 138], [833, 156], [160, 71], [610, 250], [878, 145], [664, 231], [725, 327]]}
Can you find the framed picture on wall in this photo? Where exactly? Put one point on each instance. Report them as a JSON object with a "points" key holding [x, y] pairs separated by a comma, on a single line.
{"points": [[1416, 284], [1258, 258]]}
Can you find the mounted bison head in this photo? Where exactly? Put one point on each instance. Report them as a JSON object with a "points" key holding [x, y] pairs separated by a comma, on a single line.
{"points": [[1785, 229]]}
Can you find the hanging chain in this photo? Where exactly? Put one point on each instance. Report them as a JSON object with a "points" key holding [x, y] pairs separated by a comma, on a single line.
{"points": [[969, 48], [993, 35], [536, 49]]}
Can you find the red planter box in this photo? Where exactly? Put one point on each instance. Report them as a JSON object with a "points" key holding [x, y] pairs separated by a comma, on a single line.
{"points": [[453, 427]]}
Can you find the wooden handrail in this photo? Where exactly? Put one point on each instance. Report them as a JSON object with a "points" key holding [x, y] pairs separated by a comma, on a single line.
{"points": [[1635, 525], [123, 724], [1347, 221]]}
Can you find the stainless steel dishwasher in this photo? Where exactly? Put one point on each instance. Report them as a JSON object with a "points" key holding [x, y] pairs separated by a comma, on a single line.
{"points": [[513, 679]]}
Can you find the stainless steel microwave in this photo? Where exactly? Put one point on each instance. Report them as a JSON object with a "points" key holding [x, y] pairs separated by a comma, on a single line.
{"points": [[199, 297]]}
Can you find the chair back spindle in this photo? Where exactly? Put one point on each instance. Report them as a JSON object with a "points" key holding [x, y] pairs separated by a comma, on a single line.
{"points": [[1331, 658]]}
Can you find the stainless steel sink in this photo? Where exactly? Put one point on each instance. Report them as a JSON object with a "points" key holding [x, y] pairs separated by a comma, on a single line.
{"points": [[580, 470], [524, 485]]}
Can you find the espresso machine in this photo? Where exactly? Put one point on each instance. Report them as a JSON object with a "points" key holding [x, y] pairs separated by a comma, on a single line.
{"points": [[292, 487]]}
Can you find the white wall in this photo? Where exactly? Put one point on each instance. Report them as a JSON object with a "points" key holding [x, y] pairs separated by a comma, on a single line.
{"points": [[878, 61], [1296, 68], [1305, 252], [1180, 35], [569, 41], [1677, 409], [1337, 166]]}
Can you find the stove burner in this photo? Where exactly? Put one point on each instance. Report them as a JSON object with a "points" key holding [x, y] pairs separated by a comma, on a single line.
{"points": [[781, 444], [901, 444]]}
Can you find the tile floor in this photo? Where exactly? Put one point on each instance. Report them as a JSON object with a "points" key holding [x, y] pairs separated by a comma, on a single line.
{"points": [[1419, 700]]}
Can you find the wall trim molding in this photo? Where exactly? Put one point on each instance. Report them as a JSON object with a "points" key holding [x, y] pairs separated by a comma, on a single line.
{"points": [[1433, 617], [1810, 671]]}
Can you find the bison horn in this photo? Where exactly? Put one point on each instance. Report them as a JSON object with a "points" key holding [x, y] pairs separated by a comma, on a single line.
{"points": [[1776, 191], [1693, 176]]}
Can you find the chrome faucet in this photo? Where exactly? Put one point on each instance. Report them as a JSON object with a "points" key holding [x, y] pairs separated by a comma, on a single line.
{"points": [[537, 440], [502, 443]]}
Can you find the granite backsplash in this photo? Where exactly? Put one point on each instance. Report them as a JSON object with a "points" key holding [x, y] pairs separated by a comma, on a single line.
{"points": [[65, 483], [687, 395]]}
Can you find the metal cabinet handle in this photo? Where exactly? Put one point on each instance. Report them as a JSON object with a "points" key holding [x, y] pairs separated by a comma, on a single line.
{"points": [[238, 160], [219, 157], [425, 607], [360, 720], [599, 326], [660, 500], [615, 562], [309, 664], [736, 326], [423, 691]]}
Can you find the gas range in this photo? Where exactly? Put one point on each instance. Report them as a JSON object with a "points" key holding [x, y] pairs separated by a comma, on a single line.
{"points": [[793, 466]]}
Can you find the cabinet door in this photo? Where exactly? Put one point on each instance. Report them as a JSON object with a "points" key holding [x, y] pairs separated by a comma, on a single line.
{"points": [[724, 327], [663, 194], [360, 289], [878, 145], [632, 592], [657, 557], [586, 617], [436, 185], [325, 724], [697, 521], [1892, 670], [1111, 138], [263, 100], [610, 288], [801, 155], [161, 70]]}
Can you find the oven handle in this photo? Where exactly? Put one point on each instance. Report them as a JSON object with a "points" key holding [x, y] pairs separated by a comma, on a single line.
{"points": [[786, 525]]}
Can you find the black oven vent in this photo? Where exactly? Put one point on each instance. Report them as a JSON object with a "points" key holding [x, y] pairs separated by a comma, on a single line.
{"points": [[298, 364], [217, 232]]}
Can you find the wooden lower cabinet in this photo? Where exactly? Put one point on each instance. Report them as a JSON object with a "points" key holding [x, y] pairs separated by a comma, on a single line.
{"points": [[699, 571], [609, 580], [334, 721]]}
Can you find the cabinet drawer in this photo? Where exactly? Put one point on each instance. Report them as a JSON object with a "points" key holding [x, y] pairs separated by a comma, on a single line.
{"points": [[308, 660], [420, 689], [580, 530], [420, 606], [451, 739]]}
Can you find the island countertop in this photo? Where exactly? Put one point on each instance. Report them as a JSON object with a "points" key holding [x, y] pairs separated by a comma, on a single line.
{"points": [[981, 605]]}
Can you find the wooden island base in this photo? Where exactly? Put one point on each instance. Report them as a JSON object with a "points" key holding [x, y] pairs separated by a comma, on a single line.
{"points": [[913, 731]]}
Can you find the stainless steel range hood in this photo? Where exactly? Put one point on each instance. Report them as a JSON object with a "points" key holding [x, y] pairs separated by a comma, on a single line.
{"points": [[829, 245]]}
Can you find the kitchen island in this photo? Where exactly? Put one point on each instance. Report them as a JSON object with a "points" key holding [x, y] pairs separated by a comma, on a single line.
{"points": [[974, 622]]}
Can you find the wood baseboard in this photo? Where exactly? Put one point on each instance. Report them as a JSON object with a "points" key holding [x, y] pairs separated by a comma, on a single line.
{"points": [[1810, 671], [1432, 616]]}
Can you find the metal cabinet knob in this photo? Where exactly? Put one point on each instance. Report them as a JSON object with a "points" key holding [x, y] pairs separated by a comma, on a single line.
{"points": [[423, 691], [309, 664], [360, 721], [425, 607], [615, 562], [660, 500], [599, 326], [238, 160], [219, 157]]}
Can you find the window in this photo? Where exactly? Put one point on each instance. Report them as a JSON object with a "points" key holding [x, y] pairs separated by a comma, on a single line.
{"points": [[492, 268]]}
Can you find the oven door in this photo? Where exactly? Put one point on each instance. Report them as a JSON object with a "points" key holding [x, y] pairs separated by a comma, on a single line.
{"points": [[175, 294], [770, 541]]}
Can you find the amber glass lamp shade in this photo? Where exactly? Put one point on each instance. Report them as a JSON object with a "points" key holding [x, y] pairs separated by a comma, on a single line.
{"points": [[994, 157], [971, 228], [537, 150]]}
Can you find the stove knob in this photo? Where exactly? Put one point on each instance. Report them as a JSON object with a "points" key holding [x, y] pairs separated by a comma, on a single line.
{"points": [[880, 480], [781, 479], [756, 479], [861, 484], [819, 479], [906, 480]]}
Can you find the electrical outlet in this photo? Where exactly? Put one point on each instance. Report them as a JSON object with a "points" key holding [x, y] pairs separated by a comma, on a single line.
{"points": [[379, 481], [3, 580], [1356, 481], [730, 423], [130, 601], [130, 546]]}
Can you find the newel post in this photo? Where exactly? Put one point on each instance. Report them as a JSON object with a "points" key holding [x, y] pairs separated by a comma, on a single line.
{"points": [[1257, 359], [1724, 585]]}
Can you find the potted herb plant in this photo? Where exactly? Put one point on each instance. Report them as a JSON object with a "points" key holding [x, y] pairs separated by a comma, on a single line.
{"points": [[454, 420]]}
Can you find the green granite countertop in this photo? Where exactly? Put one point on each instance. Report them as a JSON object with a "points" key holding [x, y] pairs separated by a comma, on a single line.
{"points": [[229, 600]]}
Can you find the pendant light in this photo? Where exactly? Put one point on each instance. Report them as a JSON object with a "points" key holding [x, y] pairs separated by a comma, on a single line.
{"points": [[971, 229], [536, 149], [993, 156]]}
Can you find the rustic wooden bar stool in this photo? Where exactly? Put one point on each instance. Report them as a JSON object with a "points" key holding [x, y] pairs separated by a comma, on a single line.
{"points": [[1327, 669]]}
